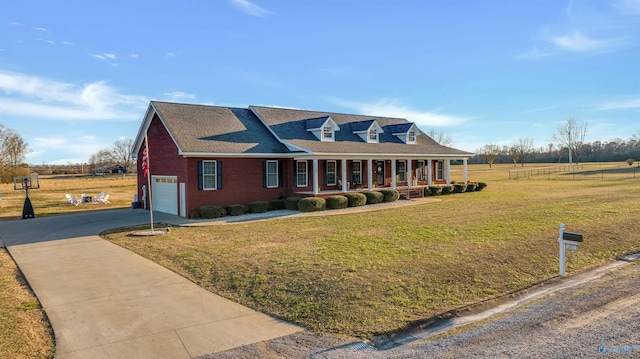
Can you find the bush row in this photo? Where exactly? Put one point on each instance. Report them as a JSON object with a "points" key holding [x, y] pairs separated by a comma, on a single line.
{"points": [[307, 204], [454, 188]]}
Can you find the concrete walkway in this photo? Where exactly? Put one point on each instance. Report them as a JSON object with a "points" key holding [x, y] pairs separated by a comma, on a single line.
{"points": [[104, 301]]}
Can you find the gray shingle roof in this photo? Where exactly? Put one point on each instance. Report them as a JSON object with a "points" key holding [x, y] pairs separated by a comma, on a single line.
{"points": [[314, 123], [361, 126], [289, 126], [212, 129]]}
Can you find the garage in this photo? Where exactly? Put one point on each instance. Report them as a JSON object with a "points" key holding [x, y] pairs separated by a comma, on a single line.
{"points": [[164, 194]]}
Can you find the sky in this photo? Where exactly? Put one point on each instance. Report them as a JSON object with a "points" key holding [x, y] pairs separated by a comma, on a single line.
{"points": [[76, 76]]}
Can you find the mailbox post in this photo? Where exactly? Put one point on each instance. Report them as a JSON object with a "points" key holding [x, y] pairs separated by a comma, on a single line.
{"points": [[568, 241]]}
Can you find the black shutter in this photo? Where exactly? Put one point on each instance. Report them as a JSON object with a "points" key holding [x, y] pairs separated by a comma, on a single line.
{"points": [[310, 173], [200, 176], [295, 173], [326, 170], [219, 174], [280, 178], [264, 174]]}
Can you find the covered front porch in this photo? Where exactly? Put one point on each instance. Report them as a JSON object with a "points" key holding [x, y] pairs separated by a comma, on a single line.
{"points": [[318, 175]]}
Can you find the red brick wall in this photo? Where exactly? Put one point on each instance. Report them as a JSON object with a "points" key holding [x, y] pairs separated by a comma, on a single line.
{"points": [[242, 183]]}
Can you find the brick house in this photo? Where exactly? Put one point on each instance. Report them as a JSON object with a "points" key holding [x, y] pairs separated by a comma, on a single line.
{"points": [[211, 155]]}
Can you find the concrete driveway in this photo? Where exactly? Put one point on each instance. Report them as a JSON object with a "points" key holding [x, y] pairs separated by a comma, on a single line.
{"points": [[104, 301]]}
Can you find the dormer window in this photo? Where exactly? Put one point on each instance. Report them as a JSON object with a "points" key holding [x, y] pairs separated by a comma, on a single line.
{"points": [[405, 132], [368, 130], [324, 128], [373, 135], [411, 137], [327, 133]]}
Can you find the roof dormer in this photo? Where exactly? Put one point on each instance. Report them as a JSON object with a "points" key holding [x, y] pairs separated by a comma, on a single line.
{"points": [[324, 128], [406, 132], [368, 130]]}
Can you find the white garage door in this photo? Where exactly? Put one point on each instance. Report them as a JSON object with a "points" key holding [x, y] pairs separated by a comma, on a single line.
{"points": [[164, 194]]}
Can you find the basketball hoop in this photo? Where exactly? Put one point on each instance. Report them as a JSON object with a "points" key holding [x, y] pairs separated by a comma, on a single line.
{"points": [[26, 183]]}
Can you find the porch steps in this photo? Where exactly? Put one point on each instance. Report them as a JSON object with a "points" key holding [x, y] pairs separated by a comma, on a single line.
{"points": [[408, 193]]}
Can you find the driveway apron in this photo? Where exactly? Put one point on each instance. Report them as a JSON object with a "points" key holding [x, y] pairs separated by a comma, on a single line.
{"points": [[104, 301]]}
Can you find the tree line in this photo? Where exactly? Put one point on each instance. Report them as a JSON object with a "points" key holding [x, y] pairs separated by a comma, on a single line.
{"points": [[567, 145]]}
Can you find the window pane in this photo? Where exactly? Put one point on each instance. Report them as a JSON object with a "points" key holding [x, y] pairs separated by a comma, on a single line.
{"points": [[401, 171], [331, 172], [209, 174], [302, 174], [272, 173]]}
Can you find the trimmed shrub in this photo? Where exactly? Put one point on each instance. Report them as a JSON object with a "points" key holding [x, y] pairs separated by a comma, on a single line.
{"points": [[195, 214], [258, 207], [390, 195], [435, 190], [481, 186], [374, 197], [208, 212], [448, 189], [292, 203], [235, 210], [337, 202], [311, 204], [356, 199], [471, 187], [277, 205], [459, 187]]}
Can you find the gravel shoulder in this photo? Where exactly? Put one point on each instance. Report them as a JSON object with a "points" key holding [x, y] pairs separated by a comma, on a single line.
{"points": [[596, 319]]}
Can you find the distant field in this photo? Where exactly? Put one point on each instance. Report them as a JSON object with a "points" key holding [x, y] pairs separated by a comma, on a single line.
{"points": [[50, 198], [367, 273]]}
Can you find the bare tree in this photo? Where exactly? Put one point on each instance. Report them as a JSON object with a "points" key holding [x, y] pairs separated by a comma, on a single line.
{"points": [[101, 159], [13, 150], [571, 134], [489, 153], [441, 138], [514, 154], [524, 147], [122, 153]]}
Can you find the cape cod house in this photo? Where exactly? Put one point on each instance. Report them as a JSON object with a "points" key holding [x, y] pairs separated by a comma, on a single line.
{"points": [[210, 155]]}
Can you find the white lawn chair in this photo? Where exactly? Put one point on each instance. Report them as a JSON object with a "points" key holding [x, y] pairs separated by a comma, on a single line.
{"points": [[72, 201], [105, 199], [100, 197]]}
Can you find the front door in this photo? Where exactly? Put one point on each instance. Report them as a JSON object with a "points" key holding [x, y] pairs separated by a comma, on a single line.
{"points": [[380, 173]]}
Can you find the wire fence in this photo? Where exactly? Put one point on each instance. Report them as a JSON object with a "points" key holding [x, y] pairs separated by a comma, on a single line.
{"points": [[579, 172]]}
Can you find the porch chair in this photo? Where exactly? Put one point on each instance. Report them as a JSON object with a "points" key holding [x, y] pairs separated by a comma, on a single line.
{"points": [[72, 201], [105, 199]]}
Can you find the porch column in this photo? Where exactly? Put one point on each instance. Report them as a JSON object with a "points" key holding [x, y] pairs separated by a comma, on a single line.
{"points": [[345, 188], [393, 174], [315, 176], [409, 176], [429, 172], [464, 164], [370, 174], [447, 164]]}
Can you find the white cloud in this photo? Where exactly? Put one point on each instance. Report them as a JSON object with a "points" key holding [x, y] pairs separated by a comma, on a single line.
{"points": [[74, 148], [170, 54], [577, 42], [104, 56], [133, 56], [250, 8], [69, 43], [393, 108], [13, 23], [28, 96], [179, 95], [621, 104], [41, 29]]}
